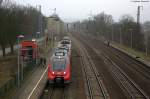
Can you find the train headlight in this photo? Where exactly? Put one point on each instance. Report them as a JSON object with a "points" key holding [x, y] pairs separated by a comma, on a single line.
{"points": [[33, 39], [64, 73], [53, 73]]}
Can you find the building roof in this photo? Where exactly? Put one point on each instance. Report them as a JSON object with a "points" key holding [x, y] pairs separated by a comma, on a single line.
{"points": [[55, 17]]}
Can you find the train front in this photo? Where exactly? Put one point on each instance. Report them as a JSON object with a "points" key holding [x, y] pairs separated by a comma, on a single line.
{"points": [[59, 70]]}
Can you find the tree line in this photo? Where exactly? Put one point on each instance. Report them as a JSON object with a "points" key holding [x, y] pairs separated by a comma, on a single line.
{"points": [[17, 19], [126, 31]]}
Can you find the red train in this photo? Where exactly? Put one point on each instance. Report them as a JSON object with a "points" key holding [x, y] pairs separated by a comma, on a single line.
{"points": [[59, 69]]}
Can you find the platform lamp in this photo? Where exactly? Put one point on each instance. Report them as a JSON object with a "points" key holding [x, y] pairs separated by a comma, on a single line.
{"points": [[18, 39], [34, 40]]}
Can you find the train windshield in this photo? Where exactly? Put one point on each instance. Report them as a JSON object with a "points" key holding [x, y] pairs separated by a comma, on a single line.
{"points": [[59, 64], [65, 42]]}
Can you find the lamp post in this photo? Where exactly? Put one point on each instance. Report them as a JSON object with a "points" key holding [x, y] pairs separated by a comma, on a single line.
{"points": [[146, 47], [35, 41], [37, 34], [112, 34], [18, 38], [131, 38], [120, 36], [1, 1]]}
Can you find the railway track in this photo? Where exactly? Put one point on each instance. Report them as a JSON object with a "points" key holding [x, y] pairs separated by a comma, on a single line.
{"points": [[130, 88], [128, 62], [125, 82], [55, 92], [139, 67], [94, 83], [74, 90], [132, 68]]}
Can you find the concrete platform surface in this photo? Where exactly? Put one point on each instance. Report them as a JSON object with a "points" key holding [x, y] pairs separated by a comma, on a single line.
{"points": [[35, 84]]}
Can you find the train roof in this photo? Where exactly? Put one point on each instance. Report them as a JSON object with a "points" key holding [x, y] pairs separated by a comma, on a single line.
{"points": [[66, 38]]}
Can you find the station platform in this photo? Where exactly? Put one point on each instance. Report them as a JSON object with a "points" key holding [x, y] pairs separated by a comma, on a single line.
{"points": [[33, 87]]}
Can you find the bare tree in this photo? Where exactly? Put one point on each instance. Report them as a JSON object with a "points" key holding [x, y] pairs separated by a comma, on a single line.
{"points": [[14, 20]]}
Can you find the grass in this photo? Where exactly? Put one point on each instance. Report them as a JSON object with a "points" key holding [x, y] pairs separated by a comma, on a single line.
{"points": [[7, 68], [4, 79], [134, 52]]}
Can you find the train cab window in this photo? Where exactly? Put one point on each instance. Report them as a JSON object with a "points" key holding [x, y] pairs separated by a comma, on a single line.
{"points": [[65, 42], [30, 51], [59, 64], [59, 54]]}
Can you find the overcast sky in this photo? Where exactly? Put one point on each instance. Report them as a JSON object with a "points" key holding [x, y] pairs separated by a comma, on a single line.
{"points": [[72, 10]]}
